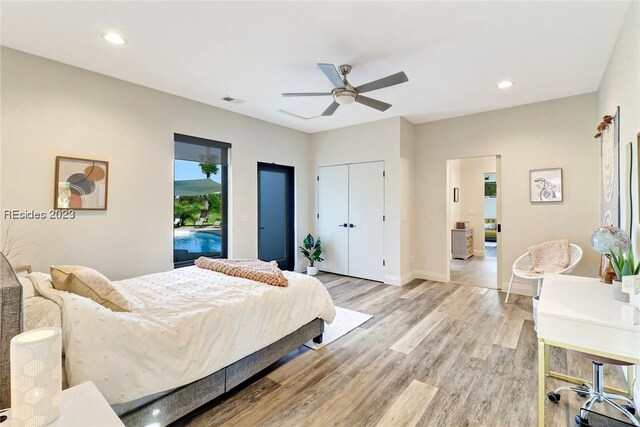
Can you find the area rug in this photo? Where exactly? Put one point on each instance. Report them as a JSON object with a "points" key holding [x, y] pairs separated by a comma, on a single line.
{"points": [[345, 321]]}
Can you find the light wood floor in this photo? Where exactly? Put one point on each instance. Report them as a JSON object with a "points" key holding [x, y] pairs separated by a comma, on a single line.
{"points": [[476, 271], [434, 354]]}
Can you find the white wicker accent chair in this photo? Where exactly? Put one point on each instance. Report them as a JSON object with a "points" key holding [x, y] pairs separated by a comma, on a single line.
{"points": [[523, 264]]}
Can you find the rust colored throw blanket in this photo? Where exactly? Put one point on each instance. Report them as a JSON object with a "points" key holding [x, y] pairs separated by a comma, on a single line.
{"points": [[252, 269]]}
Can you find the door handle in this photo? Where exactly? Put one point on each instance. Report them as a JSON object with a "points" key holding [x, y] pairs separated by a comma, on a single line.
{"points": [[342, 225], [352, 226], [261, 228]]}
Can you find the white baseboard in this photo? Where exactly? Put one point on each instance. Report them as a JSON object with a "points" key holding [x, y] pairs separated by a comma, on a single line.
{"points": [[520, 288], [408, 278], [392, 280], [430, 275], [416, 274]]}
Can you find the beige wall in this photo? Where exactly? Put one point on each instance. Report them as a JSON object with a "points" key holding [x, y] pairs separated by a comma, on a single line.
{"points": [[1, 122], [555, 133], [407, 189], [52, 109], [455, 212], [470, 178], [366, 143], [620, 86]]}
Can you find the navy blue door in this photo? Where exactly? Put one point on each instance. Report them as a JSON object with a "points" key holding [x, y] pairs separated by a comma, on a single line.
{"points": [[275, 215]]}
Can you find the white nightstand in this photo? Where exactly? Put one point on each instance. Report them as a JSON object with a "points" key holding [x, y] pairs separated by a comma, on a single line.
{"points": [[82, 406]]}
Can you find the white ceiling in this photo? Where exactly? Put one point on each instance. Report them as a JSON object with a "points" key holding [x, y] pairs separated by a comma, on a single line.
{"points": [[454, 53]]}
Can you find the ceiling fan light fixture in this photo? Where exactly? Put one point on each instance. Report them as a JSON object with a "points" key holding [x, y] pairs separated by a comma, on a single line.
{"points": [[344, 97], [343, 93]]}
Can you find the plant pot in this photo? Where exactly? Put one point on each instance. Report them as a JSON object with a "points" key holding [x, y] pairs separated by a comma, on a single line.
{"points": [[312, 271], [618, 295]]}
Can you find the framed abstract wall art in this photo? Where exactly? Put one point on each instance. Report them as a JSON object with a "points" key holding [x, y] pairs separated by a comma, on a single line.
{"points": [[81, 184], [609, 135], [545, 185]]}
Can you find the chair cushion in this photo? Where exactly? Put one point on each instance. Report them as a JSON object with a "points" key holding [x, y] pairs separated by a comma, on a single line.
{"points": [[551, 256]]}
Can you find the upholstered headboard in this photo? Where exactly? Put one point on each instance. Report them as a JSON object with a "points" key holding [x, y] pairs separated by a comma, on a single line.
{"points": [[11, 321]]}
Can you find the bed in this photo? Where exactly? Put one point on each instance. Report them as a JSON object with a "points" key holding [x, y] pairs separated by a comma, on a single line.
{"points": [[490, 230], [192, 335]]}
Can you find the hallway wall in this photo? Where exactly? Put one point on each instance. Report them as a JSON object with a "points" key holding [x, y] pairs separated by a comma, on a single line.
{"points": [[470, 177], [535, 136]]}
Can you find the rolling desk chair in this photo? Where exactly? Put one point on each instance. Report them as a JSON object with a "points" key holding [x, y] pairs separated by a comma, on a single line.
{"points": [[595, 391], [580, 315]]}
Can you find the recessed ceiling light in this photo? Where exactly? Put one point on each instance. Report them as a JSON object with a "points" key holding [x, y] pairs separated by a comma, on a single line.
{"points": [[114, 38], [505, 84]]}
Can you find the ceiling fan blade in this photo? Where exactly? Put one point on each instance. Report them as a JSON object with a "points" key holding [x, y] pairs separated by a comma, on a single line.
{"points": [[332, 74], [307, 94], [391, 80], [332, 109], [373, 103]]}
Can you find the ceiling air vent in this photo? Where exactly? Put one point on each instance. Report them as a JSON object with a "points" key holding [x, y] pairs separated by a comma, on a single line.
{"points": [[232, 100]]}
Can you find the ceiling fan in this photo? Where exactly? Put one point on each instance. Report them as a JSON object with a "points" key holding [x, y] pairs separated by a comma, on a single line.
{"points": [[343, 93]]}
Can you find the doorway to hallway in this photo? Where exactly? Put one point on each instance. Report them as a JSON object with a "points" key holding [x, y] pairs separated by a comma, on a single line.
{"points": [[474, 220]]}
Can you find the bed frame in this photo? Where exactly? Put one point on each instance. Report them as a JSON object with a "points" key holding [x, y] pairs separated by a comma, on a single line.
{"points": [[183, 400], [11, 321], [169, 407]]}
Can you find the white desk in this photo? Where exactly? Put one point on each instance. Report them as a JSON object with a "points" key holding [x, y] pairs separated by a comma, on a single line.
{"points": [[579, 313], [82, 406]]}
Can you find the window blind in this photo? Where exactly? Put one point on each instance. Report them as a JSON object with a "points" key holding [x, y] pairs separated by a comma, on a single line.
{"points": [[201, 150]]}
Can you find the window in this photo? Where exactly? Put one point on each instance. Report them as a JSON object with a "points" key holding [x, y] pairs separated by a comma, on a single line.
{"points": [[490, 185], [200, 199]]}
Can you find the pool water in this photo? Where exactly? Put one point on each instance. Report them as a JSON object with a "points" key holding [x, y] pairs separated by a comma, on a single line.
{"points": [[200, 242]]}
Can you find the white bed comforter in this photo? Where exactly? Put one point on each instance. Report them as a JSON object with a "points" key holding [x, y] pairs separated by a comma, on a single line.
{"points": [[186, 324]]}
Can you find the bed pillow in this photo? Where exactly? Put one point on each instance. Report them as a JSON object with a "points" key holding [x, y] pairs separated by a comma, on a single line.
{"points": [[88, 283], [44, 286], [28, 289], [41, 313]]}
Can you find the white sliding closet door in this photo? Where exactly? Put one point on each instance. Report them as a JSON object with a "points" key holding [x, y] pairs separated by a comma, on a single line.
{"points": [[366, 226], [333, 211]]}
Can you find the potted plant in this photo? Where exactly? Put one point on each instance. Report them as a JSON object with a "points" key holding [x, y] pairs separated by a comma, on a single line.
{"points": [[312, 250], [623, 266]]}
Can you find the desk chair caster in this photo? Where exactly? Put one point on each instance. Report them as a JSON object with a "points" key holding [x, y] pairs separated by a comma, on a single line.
{"points": [[596, 394], [582, 391], [581, 421]]}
